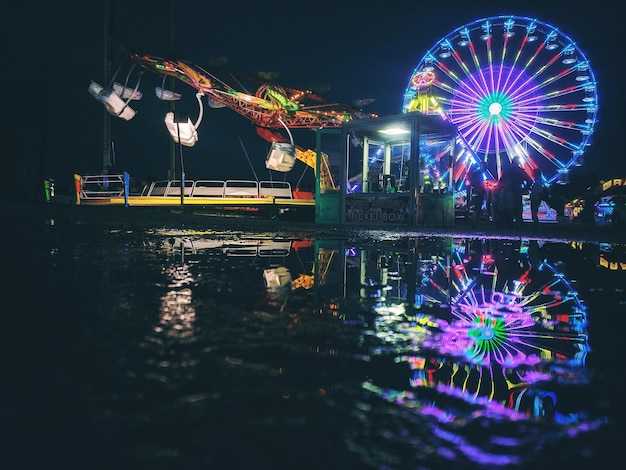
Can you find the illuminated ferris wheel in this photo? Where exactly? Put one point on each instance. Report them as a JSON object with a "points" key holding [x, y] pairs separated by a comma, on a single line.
{"points": [[513, 86]]}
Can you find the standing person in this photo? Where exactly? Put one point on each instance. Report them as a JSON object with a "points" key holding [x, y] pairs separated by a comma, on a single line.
{"points": [[477, 186], [519, 181], [504, 202], [618, 209], [537, 194], [588, 214]]}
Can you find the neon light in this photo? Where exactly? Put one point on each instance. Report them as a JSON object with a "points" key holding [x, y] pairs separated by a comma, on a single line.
{"points": [[527, 99]]}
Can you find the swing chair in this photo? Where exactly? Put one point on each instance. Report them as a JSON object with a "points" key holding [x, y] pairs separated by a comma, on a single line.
{"points": [[281, 156], [166, 95], [117, 97], [181, 128]]}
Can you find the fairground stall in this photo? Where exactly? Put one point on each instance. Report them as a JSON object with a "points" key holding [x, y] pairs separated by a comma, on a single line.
{"points": [[389, 171]]}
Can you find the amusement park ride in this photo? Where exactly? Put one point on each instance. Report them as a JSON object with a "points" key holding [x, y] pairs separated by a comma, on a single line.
{"points": [[272, 108], [512, 86]]}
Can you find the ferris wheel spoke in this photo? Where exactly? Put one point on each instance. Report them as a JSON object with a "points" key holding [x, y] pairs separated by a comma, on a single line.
{"points": [[468, 73], [512, 86], [486, 136], [469, 130], [546, 134], [492, 80], [542, 102], [512, 140], [508, 34], [513, 65], [522, 129], [524, 91], [532, 78], [561, 124], [469, 91], [470, 98], [460, 112], [541, 150], [476, 133], [482, 86]]}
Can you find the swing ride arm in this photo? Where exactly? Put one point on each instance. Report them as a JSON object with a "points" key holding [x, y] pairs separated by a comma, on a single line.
{"points": [[271, 108], [267, 107]]}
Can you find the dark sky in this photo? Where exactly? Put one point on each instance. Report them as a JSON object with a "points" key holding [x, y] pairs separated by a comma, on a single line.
{"points": [[358, 51]]}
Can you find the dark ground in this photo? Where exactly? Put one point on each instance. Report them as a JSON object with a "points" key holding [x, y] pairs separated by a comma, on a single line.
{"points": [[194, 218]]}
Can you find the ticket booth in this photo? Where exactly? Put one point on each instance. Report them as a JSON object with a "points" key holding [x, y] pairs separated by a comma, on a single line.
{"points": [[388, 171]]}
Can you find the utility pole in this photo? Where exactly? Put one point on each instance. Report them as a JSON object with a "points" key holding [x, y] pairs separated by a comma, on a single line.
{"points": [[106, 117], [171, 173]]}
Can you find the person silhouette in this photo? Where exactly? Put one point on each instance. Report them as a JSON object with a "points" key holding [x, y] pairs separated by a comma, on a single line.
{"points": [[477, 187], [588, 214], [519, 183], [503, 202], [537, 194]]}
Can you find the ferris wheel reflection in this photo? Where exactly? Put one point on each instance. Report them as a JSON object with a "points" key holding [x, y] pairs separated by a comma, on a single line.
{"points": [[488, 322]]}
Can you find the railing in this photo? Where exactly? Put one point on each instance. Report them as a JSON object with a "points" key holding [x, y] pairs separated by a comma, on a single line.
{"points": [[110, 186], [102, 186], [219, 188]]}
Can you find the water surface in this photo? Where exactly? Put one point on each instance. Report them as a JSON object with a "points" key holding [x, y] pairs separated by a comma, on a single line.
{"points": [[159, 347]]}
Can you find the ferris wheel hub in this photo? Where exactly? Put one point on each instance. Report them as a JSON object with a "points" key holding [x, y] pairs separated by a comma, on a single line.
{"points": [[495, 108]]}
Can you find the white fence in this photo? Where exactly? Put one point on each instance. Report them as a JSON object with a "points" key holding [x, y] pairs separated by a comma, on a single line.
{"points": [[108, 186]]}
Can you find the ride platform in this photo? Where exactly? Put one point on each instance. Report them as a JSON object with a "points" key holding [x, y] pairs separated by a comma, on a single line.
{"points": [[276, 197]]}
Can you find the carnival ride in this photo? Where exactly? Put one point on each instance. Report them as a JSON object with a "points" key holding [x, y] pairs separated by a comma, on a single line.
{"points": [[272, 108], [513, 86]]}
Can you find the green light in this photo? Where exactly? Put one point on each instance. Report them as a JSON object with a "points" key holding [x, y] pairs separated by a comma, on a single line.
{"points": [[488, 332], [495, 108]]}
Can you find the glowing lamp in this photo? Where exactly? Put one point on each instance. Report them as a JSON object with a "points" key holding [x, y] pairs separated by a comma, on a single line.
{"points": [[394, 131]]}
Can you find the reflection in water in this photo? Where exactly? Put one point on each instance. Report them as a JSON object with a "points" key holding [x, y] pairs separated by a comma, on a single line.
{"points": [[416, 352], [177, 311], [492, 329]]}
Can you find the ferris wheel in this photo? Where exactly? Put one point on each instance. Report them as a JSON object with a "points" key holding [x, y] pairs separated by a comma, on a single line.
{"points": [[513, 86]]}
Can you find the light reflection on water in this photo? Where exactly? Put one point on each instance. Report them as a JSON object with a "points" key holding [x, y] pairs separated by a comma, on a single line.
{"points": [[181, 349]]}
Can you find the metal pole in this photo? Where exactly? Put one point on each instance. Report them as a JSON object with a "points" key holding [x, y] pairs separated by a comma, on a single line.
{"points": [[171, 174], [182, 168], [106, 117]]}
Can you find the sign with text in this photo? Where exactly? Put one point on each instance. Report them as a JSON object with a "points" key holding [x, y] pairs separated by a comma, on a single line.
{"points": [[385, 210]]}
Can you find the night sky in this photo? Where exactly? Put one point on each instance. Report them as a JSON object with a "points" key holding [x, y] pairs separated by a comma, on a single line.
{"points": [[353, 51]]}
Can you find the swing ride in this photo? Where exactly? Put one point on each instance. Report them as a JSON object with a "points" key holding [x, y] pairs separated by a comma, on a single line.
{"points": [[272, 108]]}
